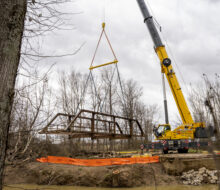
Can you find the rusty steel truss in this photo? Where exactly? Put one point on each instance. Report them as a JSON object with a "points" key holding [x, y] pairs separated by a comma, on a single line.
{"points": [[94, 125]]}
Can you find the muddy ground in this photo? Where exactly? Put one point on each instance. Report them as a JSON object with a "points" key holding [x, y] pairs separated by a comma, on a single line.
{"points": [[168, 171], [108, 176]]}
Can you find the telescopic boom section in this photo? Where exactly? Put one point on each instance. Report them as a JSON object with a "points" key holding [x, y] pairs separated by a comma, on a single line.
{"points": [[166, 66]]}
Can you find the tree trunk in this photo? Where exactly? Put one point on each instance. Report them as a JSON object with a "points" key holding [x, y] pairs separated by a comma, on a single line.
{"points": [[12, 14]]}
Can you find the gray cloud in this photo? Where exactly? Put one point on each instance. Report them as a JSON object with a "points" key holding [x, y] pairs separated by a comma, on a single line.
{"points": [[191, 29]]}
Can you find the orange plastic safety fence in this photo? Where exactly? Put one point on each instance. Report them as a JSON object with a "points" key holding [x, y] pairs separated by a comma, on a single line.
{"points": [[99, 162]]}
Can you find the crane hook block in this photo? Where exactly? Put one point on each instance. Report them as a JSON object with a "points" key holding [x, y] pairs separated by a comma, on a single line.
{"points": [[103, 25]]}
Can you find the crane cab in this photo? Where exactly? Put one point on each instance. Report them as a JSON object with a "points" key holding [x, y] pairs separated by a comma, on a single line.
{"points": [[161, 130]]}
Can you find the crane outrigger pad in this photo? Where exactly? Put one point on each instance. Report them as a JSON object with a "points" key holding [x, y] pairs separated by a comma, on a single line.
{"points": [[94, 125]]}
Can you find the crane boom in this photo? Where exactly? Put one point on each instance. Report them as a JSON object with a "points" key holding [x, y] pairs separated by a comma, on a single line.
{"points": [[166, 66]]}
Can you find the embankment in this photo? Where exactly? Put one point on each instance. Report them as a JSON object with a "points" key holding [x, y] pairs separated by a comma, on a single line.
{"points": [[176, 164], [104, 176], [168, 171]]}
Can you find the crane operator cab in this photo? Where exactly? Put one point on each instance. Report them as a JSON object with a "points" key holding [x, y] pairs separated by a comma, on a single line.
{"points": [[161, 129]]}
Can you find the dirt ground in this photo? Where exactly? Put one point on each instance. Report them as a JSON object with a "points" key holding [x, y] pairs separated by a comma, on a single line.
{"points": [[176, 164], [108, 176], [166, 172]]}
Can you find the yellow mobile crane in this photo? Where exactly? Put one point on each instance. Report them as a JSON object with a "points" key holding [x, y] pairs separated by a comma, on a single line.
{"points": [[189, 130]]}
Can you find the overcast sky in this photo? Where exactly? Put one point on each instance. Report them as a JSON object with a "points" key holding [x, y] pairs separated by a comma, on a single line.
{"points": [[190, 27]]}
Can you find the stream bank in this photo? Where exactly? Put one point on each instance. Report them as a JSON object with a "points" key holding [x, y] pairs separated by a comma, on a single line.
{"points": [[168, 171]]}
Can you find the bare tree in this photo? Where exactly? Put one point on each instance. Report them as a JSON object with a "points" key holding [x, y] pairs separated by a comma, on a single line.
{"points": [[41, 17], [204, 97], [71, 91], [205, 101], [148, 116], [31, 110], [197, 98], [71, 99], [12, 14], [105, 95], [129, 102]]}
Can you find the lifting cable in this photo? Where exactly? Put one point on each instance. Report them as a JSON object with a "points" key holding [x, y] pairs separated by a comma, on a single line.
{"points": [[105, 64], [102, 65], [104, 100], [169, 49], [90, 76]]}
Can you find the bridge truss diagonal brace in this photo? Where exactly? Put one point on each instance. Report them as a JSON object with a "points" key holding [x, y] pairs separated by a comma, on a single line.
{"points": [[95, 116]]}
